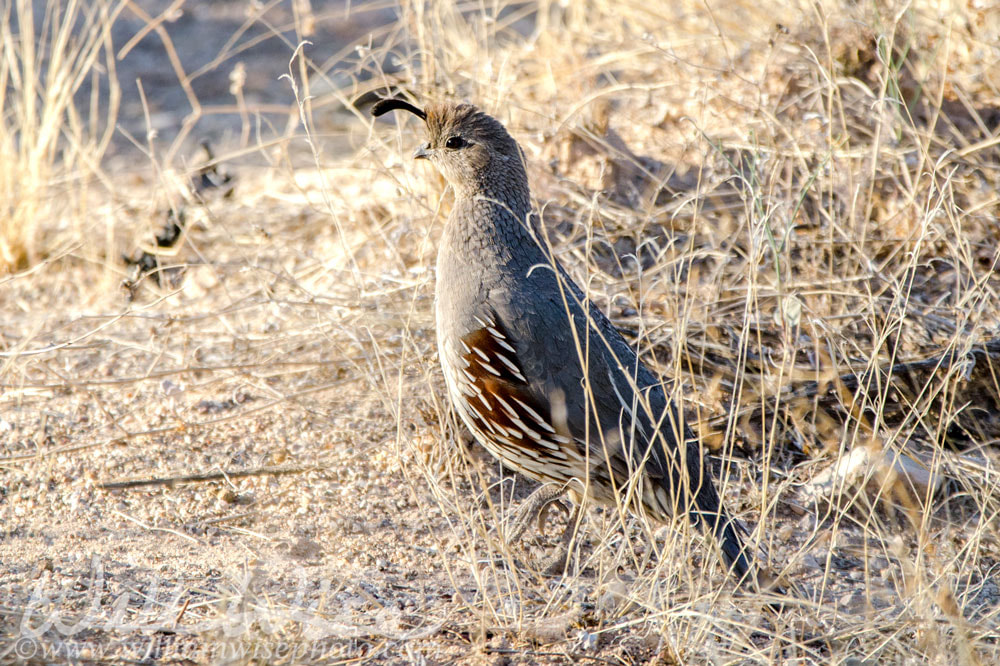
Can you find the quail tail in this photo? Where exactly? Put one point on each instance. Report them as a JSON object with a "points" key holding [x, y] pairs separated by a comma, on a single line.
{"points": [[734, 552], [715, 519], [736, 555]]}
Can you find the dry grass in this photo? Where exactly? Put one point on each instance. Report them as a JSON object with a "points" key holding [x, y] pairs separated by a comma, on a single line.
{"points": [[52, 142], [789, 208]]}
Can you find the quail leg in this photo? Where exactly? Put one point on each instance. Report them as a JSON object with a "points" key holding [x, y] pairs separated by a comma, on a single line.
{"points": [[535, 509], [556, 564]]}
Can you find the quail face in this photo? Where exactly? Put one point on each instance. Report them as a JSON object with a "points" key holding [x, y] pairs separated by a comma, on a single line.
{"points": [[463, 158], [471, 149]]}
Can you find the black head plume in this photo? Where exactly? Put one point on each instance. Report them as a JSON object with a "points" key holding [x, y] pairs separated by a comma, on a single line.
{"points": [[386, 105]]}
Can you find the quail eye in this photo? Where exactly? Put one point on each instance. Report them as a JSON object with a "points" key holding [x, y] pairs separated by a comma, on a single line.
{"points": [[455, 142]]}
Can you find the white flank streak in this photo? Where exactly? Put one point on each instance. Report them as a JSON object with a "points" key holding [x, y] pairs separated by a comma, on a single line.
{"points": [[621, 400], [483, 400], [506, 346], [538, 417], [556, 452], [484, 324], [534, 434], [466, 388], [513, 368], [506, 406], [547, 444], [490, 368], [491, 427], [465, 346], [497, 334], [628, 408]]}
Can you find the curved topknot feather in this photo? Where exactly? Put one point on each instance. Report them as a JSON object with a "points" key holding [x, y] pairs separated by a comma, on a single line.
{"points": [[388, 104]]}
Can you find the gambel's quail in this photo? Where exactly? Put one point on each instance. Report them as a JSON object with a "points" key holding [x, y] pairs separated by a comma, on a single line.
{"points": [[539, 375]]}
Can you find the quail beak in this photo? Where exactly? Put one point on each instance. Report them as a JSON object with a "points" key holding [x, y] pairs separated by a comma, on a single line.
{"points": [[423, 152]]}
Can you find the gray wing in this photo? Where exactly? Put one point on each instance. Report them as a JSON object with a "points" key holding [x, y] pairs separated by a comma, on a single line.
{"points": [[635, 436]]}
